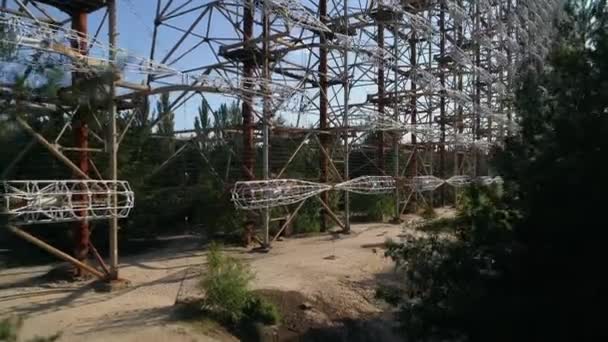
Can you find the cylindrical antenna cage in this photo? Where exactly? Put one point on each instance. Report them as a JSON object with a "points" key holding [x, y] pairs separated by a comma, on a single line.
{"points": [[369, 185], [260, 194], [252, 195], [51, 201]]}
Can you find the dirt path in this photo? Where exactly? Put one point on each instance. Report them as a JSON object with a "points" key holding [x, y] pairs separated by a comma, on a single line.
{"points": [[341, 272], [335, 270]]}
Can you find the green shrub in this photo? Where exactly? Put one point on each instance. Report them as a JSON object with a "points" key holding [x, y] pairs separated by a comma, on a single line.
{"points": [[451, 282], [227, 294], [445, 224], [381, 207], [204, 205], [308, 219], [226, 286], [260, 310], [427, 211], [10, 327], [375, 208], [390, 294]]}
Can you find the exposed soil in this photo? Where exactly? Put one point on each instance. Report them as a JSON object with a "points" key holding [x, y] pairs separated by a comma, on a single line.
{"points": [[306, 320], [324, 286]]}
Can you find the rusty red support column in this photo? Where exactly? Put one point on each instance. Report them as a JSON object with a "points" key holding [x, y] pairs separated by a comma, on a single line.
{"points": [[248, 68], [81, 230], [248, 164], [323, 103], [381, 98]]}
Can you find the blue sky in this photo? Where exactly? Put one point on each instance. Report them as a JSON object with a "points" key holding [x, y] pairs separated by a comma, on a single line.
{"points": [[135, 27], [135, 18]]}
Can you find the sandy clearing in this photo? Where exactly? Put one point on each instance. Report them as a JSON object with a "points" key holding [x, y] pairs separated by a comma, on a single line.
{"points": [[332, 270]]}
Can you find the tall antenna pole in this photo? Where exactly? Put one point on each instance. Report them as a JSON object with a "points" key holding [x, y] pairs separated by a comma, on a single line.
{"points": [[266, 114], [345, 125], [397, 135], [113, 238], [81, 129], [323, 102], [381, 96], [247, 112], [248, 161], [476, 114]]}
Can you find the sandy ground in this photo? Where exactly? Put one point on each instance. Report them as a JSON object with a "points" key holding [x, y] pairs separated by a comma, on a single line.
{"points": [[342, 271]]}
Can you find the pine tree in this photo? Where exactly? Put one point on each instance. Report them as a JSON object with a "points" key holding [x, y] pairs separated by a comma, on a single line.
{"points": [[202, 123], [166, 125]]}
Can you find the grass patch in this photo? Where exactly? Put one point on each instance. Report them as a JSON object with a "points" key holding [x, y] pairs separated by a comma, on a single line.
{"points": [[427, 211], [308, 219], [377, 208], [448, 224]]}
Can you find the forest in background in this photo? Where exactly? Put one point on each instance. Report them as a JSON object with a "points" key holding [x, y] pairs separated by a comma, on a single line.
{"points": [[526, 261]]}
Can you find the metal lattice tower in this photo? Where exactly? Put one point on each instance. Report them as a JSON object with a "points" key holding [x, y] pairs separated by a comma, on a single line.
{"points": [[401, 88]]}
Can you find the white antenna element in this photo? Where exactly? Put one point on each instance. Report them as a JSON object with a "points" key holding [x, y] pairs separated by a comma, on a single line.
{"points": [[252, 195], [368, 185], [424, 79], [432, 183], [246, 86], [293, 12], [24, 32], [260, 194], [426, 183], [37, 201], [458, 96], [376, 121], [456, 12], [459, 181]]}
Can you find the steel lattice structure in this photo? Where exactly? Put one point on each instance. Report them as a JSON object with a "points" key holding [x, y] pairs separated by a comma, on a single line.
{"points": [[413, 89]]}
